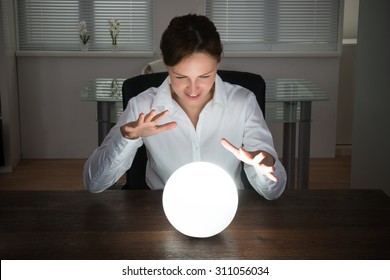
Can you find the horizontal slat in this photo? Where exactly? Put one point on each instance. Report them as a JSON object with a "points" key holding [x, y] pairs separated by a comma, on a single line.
{"points": [[53, 25], [273, 23]]}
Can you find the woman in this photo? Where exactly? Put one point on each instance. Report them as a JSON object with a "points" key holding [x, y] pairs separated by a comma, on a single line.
{"points": [[192, 116]]}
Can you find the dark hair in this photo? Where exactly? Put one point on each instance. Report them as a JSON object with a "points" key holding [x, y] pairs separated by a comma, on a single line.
{"points": [[188, 34]]}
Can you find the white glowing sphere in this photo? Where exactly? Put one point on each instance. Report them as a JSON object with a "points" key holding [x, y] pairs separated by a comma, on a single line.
{"points": [[200, 199]]}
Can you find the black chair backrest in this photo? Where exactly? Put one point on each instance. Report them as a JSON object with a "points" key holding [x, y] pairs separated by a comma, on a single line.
{"points": [[135, 176]]}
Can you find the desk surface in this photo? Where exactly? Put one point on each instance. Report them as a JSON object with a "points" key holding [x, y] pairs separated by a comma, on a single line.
{"points": [[312, 224]]}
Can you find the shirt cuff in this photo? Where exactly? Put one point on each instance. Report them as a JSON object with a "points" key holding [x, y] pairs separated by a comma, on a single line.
{"points": [[270, 189]]}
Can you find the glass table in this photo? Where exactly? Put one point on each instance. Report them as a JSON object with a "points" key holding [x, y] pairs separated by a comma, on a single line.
{"points": [[107, 93], [288, 101]]}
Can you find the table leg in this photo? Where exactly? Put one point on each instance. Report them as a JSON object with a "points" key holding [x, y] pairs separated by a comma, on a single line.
{"points": [[304, 146], [289, 153], [103, 119], [289, 134]]}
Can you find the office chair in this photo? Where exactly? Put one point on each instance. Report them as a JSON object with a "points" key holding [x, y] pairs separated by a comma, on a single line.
{"points": [[154, 67], [135, 176]]}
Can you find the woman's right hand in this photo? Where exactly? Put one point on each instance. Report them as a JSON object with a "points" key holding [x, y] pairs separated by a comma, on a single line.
{"points": [[146, 125]]}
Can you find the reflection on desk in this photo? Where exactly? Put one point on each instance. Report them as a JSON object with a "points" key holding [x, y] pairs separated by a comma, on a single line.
{"points": [[310, 224], [287, 101]]}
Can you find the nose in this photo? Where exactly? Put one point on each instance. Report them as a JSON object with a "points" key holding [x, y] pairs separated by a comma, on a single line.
{"points": [[193, 86]]}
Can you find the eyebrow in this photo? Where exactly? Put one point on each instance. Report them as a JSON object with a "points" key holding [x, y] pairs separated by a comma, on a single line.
{"points": [[205, 74]]}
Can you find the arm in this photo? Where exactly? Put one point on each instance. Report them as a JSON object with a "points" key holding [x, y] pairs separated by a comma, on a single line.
{"points": [[263, 185], [260, 160], [116, 154], [109, 161], [264, 171]]}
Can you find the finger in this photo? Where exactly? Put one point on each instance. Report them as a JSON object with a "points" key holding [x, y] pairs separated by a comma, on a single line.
{"points": [[150, 116], [167, 126], [229, 146], [141, 119], [246, 157], [160, 116], [259, 157], [245, 153], [267, 171], [272, 177], [265, 168]]}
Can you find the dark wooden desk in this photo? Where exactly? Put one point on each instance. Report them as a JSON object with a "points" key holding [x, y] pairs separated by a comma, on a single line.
{"points": [[310, 224]]}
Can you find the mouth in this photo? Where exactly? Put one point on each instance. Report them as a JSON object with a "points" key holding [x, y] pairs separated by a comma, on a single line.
{"points": [[193, 96]]}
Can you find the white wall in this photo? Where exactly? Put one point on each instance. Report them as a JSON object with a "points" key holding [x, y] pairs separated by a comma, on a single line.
{"points": [[56, 124]]}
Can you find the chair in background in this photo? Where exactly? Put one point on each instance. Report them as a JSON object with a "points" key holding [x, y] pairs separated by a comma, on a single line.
{"points": [[154, 67], [135, 176]]}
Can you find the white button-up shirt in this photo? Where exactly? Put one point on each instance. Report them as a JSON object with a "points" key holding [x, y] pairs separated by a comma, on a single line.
{"points": [[233, 113]]}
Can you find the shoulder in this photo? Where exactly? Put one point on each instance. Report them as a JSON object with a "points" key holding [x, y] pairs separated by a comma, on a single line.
{"points": [[234, 93], [148, 97], [145, 97], [152, 98]]}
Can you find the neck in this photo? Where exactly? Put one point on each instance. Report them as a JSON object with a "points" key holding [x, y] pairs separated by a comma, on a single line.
{"points": [[193, 112]]}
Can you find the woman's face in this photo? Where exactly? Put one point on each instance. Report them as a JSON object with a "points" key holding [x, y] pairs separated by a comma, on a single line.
{"points": [[192, 80]]}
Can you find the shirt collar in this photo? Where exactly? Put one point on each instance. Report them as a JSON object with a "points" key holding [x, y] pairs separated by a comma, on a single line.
{"points": [[219, 92], [163, 98]]}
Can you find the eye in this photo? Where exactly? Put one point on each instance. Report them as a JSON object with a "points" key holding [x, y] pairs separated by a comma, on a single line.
{"points": [[180, 77], [205, 76]]}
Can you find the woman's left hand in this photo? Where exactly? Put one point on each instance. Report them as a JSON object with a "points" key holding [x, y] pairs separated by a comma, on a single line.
{"points": [[261, 160]]}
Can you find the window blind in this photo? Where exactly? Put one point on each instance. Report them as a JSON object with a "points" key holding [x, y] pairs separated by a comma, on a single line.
{"points": [[277, 26], [52, 25]]}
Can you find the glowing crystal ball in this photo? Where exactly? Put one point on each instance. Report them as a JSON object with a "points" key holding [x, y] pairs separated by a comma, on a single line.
{"points": [[200, 199]]}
